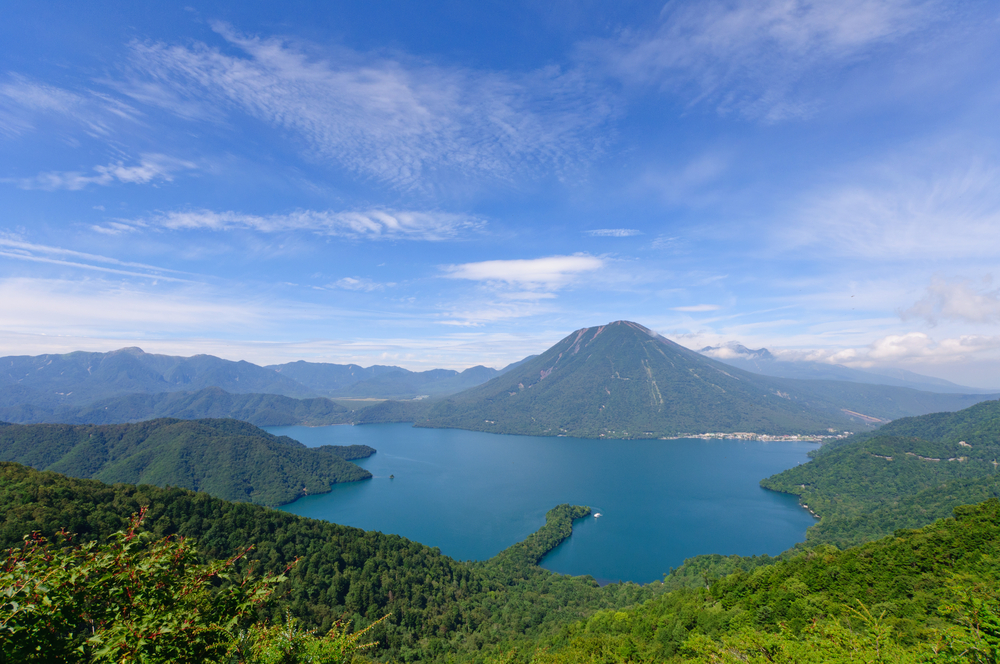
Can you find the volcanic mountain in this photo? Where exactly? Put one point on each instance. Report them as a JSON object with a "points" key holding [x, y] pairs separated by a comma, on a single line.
{"points": [[623, 380]]}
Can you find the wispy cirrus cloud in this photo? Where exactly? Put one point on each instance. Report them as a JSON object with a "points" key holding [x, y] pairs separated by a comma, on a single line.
{"points": [[362, 284], [613, 232], [914, 206], [389, 118], [25, 102], [151, 168], [749, 56], [37, 253], [376, 224]]}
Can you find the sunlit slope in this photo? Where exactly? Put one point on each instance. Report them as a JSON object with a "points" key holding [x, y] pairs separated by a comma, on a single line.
{"points": [[439, 609], [905, 475], [622, 380], [926, 595], [226, 458]]}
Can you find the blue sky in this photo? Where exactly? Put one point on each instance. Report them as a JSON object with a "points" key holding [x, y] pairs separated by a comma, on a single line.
{"points": [[442, 184]]}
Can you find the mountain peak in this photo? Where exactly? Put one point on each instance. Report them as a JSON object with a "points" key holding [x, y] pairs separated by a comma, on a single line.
{"points": [[622, 380], [128, 350], [734, 349]]}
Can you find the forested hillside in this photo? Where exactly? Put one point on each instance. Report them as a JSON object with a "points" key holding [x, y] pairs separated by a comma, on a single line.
{"points": [[904, 475], [436, 605], [919, 596], [928, 595], [225, 458]]}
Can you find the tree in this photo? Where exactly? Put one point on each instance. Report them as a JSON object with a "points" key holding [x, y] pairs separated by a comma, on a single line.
{"points": [[133, 599]]}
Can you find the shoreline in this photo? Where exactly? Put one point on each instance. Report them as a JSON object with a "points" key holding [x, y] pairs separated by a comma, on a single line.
{"points": [[762, 437]]}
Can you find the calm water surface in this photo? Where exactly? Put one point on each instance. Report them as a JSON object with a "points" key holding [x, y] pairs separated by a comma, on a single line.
{"points": [[474, 494]]}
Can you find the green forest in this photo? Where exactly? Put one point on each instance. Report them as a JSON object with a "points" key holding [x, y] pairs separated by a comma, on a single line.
{"points": [[201, 579], [436, 605], [904, 475], [224, 457]]}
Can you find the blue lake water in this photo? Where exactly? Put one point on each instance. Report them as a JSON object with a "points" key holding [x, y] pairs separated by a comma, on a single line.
{"points": [[474, 494]]}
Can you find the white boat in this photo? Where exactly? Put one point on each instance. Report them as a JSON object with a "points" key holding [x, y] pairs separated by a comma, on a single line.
{"points": [[597, 515]]}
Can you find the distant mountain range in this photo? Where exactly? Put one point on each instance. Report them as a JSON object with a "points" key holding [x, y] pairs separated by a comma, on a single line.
{"points": [[128, 383], [616, 380], [762, 361], [383, 382]]}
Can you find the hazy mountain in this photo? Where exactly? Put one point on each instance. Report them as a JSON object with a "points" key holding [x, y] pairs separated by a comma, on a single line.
{"points": [[67, 387], [226, 458], [385, 382], [81, 378], [881, 402], [403, 384], [211, 402], [763, 362], [325, 378]]}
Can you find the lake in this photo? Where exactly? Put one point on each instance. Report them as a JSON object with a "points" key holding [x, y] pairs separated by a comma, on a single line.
{"points": [[473, 494]]}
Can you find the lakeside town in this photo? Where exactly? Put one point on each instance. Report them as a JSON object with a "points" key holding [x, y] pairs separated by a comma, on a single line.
{"points": [[746, 435]]}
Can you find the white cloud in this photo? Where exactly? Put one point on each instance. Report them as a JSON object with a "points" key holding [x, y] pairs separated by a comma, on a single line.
{"points": [[530, 296], [393, 119], [359, 284], [906, 348], [697, 308], [151, 167], [613, 232], [956, 300], [368, 224], [749, 55], [550, 272]]}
